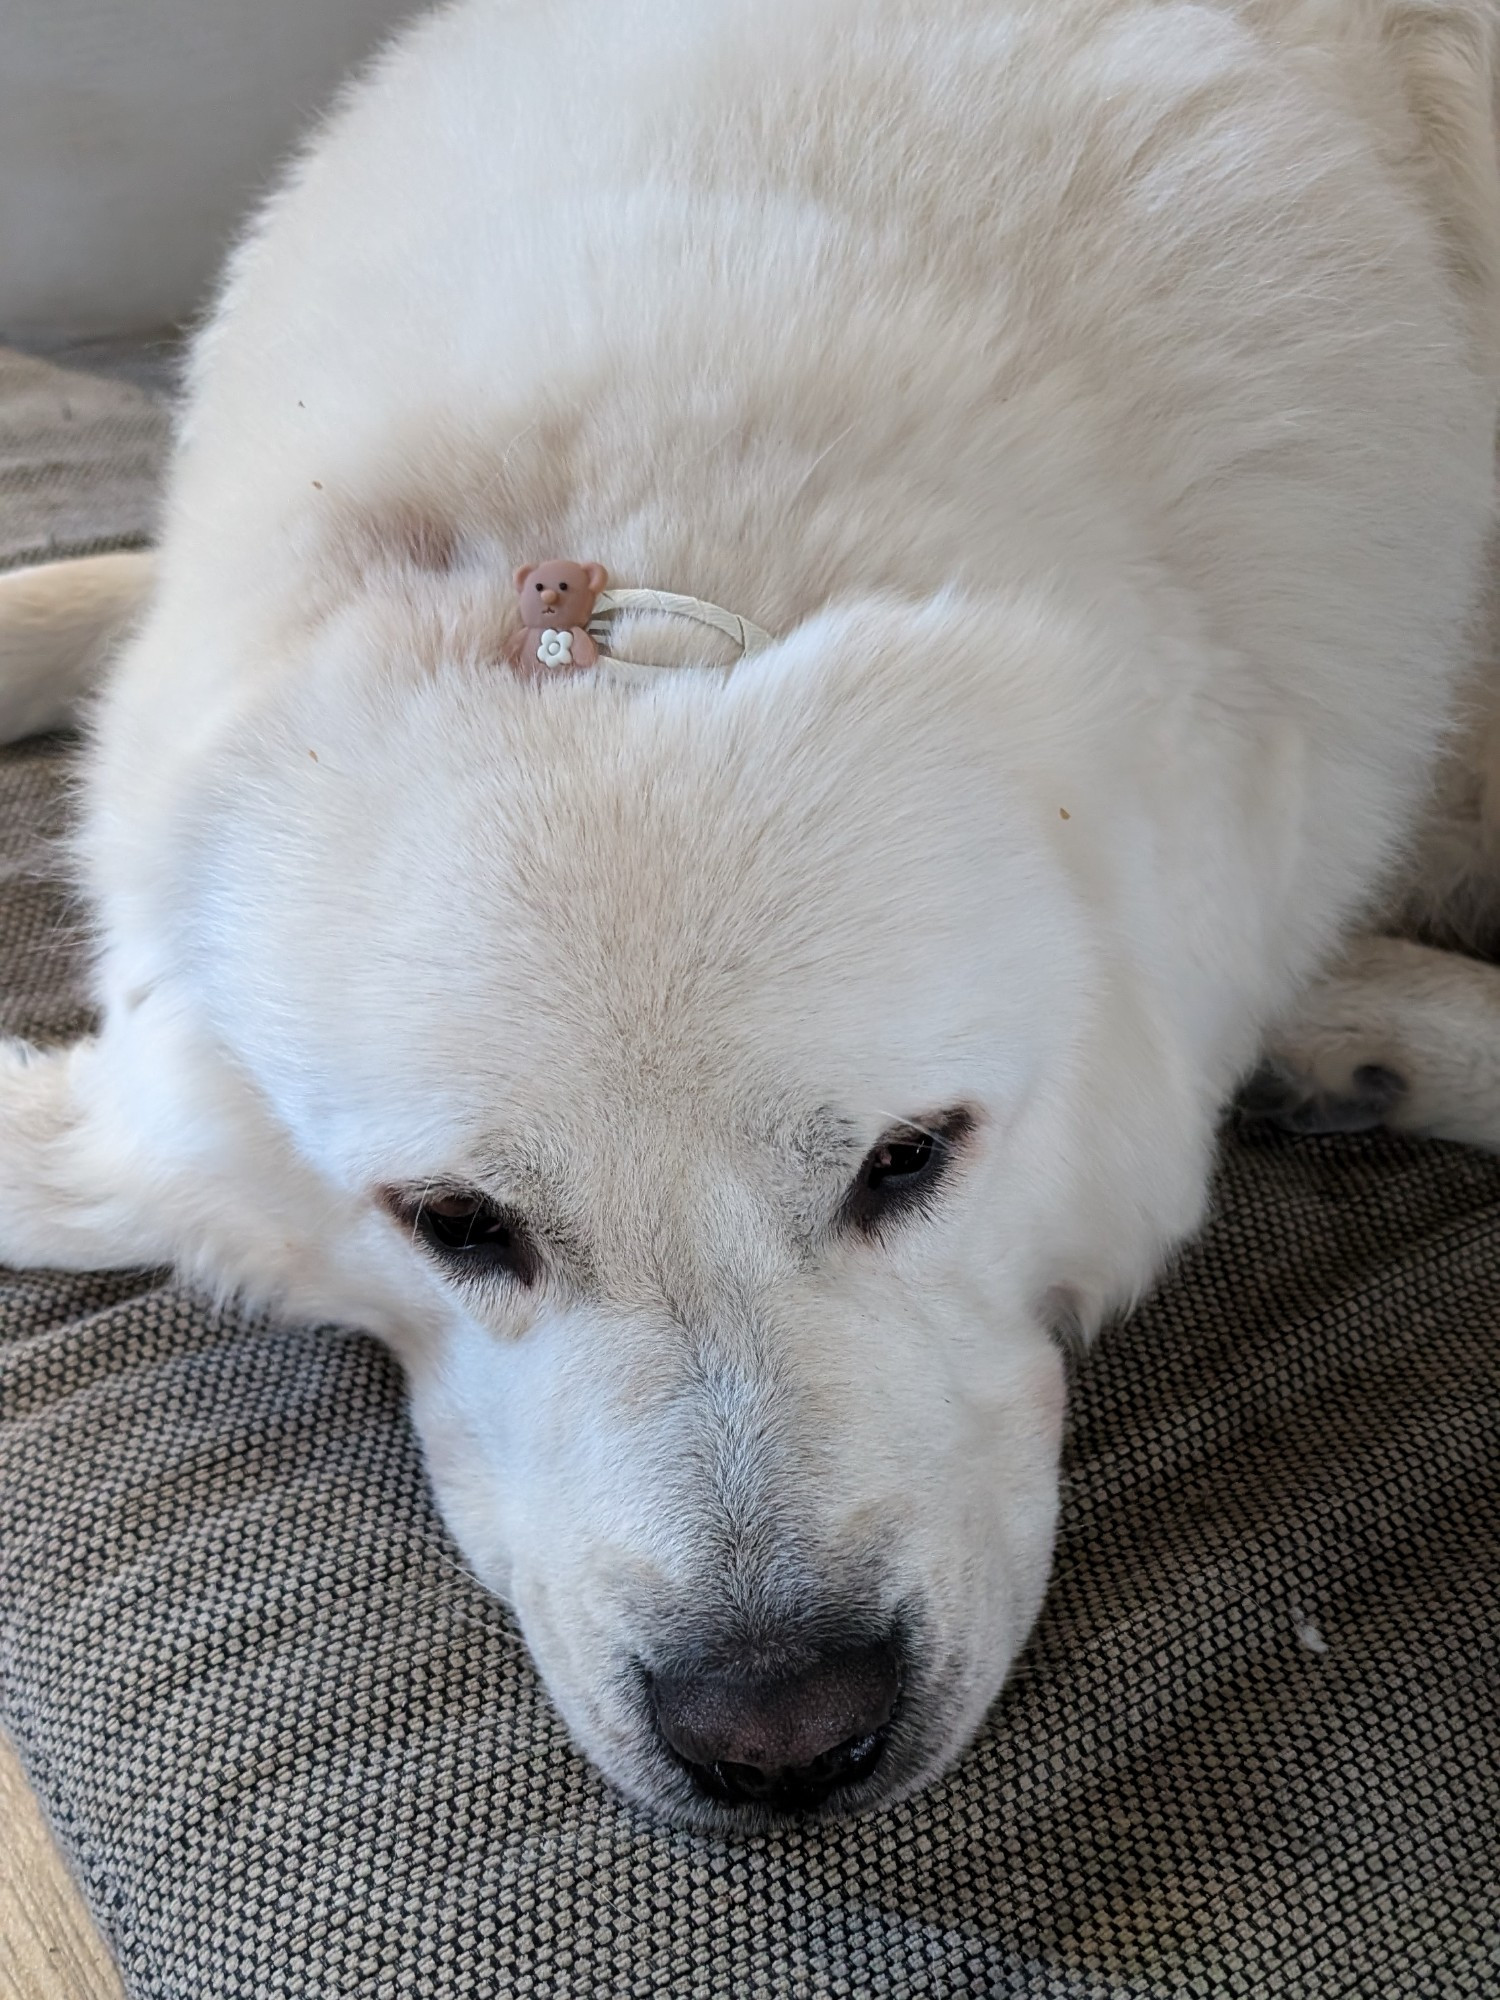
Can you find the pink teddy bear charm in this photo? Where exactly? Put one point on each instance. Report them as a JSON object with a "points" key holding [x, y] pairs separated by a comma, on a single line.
{"points": [[557, 601]]}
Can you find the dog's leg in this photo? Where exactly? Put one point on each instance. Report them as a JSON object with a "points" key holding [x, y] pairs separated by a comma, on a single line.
{"points": [[1397, 1034], [75, 1191], [58, 625]]}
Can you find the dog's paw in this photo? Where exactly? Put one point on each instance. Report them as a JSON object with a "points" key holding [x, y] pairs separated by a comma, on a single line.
{"points": [[1277, 1095]]}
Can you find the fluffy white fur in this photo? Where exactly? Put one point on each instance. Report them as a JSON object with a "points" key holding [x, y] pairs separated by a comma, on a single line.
{"points": [[1099, 399]]}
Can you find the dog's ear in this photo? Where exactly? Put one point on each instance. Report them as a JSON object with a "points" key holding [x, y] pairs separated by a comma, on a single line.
{"points": [[526, 569], [597, 575]]}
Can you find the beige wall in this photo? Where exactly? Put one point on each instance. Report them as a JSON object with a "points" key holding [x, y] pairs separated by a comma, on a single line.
{"points": [[134, 133]]}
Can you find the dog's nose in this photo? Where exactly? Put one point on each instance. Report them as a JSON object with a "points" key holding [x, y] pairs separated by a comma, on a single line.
{"points": [[785, 1740]]}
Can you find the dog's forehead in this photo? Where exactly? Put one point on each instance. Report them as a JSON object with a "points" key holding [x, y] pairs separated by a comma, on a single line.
{"points": [[482, 909], [633, 992]]}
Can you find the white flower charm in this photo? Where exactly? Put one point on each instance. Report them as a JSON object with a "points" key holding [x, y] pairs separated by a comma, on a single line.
{"points": [[554, 649]]}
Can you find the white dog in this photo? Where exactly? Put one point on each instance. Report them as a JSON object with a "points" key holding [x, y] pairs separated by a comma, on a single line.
{"points": [[719, 1077]]}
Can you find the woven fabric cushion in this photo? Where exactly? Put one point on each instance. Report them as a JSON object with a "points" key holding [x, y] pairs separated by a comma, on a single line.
{"points": [[292, 1749]]}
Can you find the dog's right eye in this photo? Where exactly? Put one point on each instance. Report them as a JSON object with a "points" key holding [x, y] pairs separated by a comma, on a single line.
{"points": [[904, 1171], [470, 1235]]}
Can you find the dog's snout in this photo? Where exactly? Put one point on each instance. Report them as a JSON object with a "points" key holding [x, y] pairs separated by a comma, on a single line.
{"points": [[785, 1741]]}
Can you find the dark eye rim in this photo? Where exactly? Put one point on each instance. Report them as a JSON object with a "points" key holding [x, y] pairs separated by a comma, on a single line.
{"points": [[879, 1197], [467, 1234]]}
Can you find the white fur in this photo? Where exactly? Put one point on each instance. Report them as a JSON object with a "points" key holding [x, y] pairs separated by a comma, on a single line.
{"points": [[1099, 400], [58, 624]]}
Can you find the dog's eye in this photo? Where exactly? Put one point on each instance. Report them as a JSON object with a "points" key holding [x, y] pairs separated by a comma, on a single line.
{"points": [[899, 1159], [903, 1171], [470, 1235]]}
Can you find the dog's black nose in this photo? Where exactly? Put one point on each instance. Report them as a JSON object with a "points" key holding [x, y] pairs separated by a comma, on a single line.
{"points": [[782, 1740]]}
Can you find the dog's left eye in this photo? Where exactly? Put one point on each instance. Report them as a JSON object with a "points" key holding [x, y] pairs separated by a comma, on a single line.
{"points": [[470, 1235], [903, 1170]]}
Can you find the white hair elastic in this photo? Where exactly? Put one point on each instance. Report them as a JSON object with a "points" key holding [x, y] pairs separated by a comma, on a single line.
{"points": [[566, 614]]}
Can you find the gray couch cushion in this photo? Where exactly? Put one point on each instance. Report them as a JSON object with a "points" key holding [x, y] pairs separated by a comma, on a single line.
{"points": [[293, 1750]]}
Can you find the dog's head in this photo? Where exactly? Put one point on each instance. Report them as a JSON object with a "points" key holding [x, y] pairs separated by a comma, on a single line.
{"points": [[723, 1077]]}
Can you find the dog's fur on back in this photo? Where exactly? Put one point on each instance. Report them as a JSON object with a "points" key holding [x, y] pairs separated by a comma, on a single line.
{"points": [[1097, 399]]}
